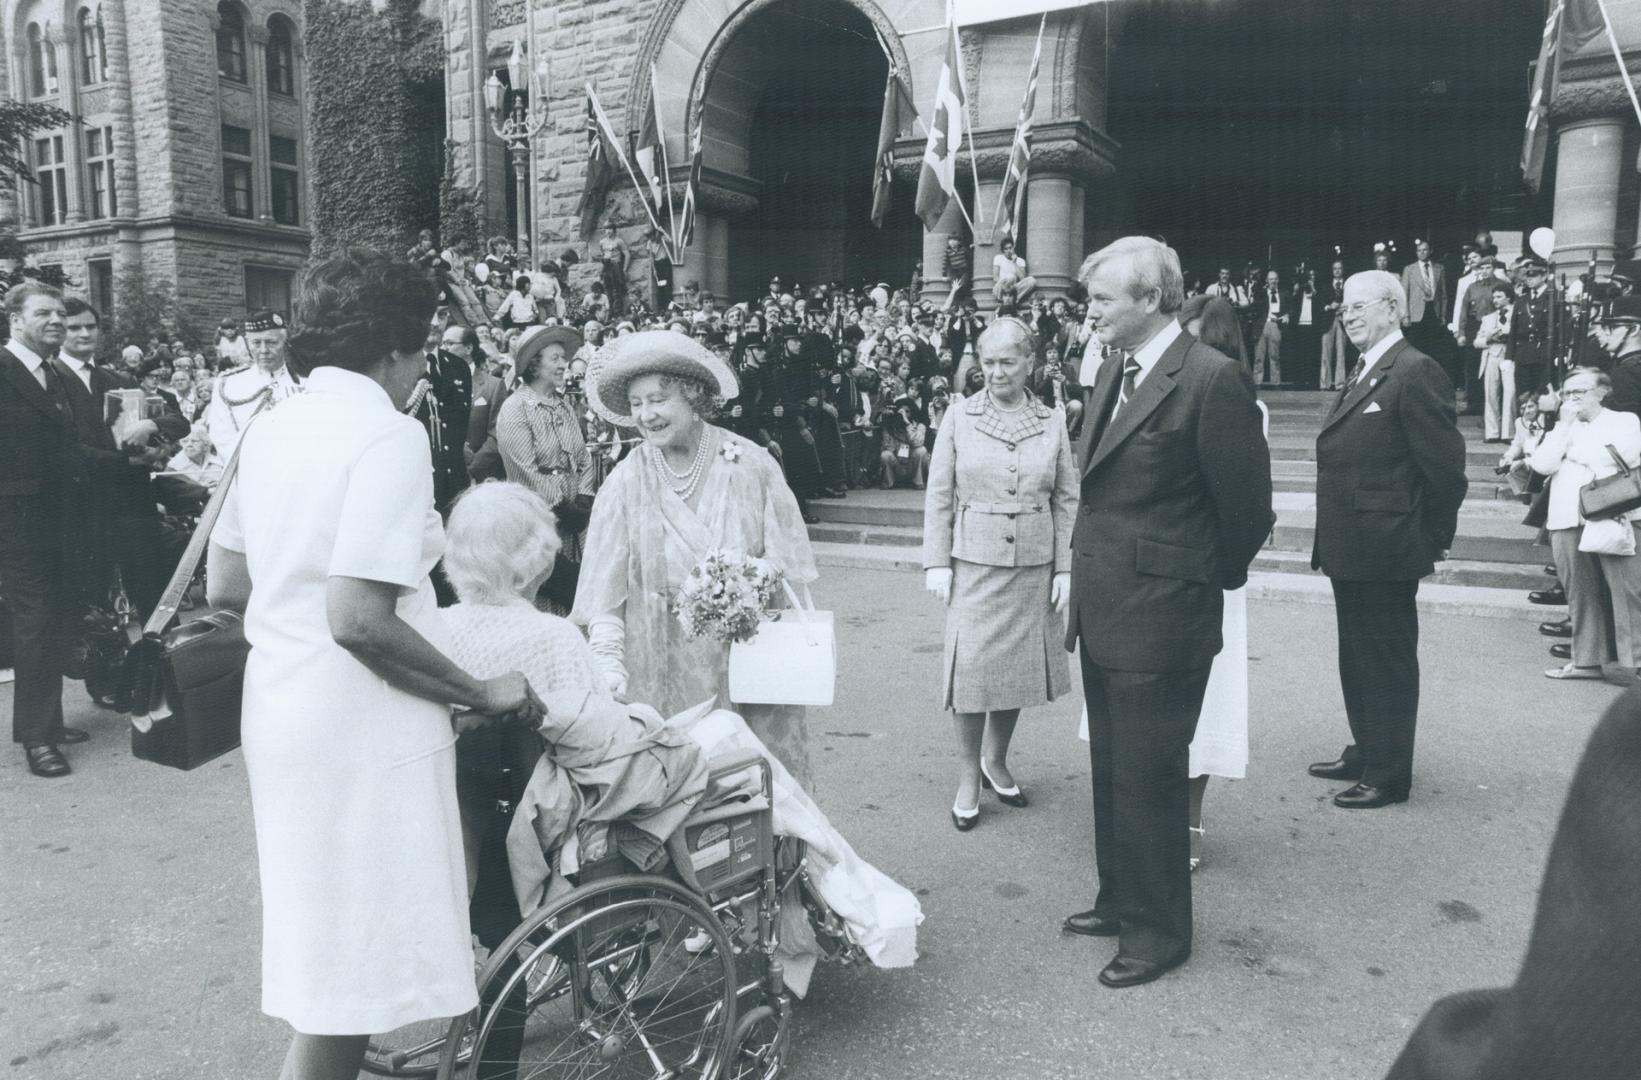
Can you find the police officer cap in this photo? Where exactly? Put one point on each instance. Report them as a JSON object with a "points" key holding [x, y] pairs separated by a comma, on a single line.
{"points": [[264, 320], [754, 340], [1624, 309], [1532, 263]]}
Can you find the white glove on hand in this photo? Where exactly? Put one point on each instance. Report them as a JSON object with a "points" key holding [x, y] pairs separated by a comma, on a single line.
{"points": [[938, 580], [1059, 594], [607, 637]]}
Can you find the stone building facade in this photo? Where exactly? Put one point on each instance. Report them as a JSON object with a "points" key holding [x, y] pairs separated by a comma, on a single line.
{"points": [[186, 163], [717, 54]]}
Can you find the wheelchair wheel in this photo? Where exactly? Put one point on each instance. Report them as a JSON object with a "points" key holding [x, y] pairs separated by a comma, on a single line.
{"points": [[599, 984], [760, 1044]]}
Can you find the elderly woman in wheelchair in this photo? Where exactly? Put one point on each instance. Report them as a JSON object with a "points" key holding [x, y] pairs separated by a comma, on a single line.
{"points": [[647, 892]]}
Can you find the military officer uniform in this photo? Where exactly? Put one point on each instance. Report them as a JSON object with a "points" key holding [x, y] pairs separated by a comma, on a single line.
{"points": [[239, 394]]}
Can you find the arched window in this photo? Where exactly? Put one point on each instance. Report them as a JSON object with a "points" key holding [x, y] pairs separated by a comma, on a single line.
{"points": [[281, 56], [93, 49], [230, 42], [42, 63]]}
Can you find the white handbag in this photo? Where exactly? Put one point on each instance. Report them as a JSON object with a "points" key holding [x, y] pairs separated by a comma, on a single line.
{"points": [[790, 662]]}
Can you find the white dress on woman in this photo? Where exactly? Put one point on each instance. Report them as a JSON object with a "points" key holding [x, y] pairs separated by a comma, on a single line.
{"points": [[353, 783]]}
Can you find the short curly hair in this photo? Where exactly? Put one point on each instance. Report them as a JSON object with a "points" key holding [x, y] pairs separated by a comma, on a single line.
{"points": [[701, 397], [354, 307]]}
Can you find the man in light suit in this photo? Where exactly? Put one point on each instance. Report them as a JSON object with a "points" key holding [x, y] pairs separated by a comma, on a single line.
{"points": [[1175, 504], [1389, 481], [1424, 319]]}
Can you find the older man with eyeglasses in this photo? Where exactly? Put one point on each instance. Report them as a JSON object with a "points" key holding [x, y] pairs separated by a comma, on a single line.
{"points": [[1389, 481]]}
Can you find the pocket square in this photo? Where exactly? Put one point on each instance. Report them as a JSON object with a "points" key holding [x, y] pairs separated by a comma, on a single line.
{"points": [[479, 401], [1372, 408]]}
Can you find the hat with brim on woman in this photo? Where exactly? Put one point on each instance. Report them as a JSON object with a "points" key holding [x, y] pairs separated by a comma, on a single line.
{"points": [[651, 352], [536, 338]]}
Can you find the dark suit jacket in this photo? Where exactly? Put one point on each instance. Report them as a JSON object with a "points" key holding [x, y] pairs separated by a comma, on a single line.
{"points": [[1571, 1013], [488, 394], [1389, 473], [1418, 296], [38, 443], [1285, 309], [1327, 295], [1529, 341], [1626, 391], [1176, 502]]}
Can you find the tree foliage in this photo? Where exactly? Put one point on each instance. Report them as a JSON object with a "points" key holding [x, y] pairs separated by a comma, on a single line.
{"points": [[375, 122], [459, 216], [143, 308], [19, 120]]}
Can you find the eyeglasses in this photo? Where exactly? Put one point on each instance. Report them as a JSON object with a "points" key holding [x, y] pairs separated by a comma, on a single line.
{"points": [[1361, 305]]}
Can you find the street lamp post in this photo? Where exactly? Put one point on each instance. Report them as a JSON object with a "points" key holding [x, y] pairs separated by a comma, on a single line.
{"points": [[516, 124]]}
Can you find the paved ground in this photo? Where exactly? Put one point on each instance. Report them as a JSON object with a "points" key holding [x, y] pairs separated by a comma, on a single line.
{"points": [[129, 914]]}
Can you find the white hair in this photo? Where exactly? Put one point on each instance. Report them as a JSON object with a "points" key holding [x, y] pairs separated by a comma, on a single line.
{"points": [[1008, 332], [1150, 265], [500, 536], [1383, 285]]}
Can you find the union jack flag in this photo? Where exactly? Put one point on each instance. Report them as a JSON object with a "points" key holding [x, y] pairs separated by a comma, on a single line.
{"points": [[1012, 199]]}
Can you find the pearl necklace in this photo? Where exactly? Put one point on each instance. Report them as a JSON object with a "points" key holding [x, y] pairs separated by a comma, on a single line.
{"points": [[683, 484], [996, 405]]}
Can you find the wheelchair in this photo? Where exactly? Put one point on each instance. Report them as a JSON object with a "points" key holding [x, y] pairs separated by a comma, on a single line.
{"points": [[669, 975]]}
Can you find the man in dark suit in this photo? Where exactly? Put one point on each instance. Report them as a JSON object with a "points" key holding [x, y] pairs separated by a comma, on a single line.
{"points": [[1529, 343], [1389, 481], [123, 526], [461, 343], [445, 411], [42, 504], [1176, 501]]}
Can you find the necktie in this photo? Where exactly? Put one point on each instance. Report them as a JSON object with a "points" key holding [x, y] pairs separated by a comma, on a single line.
{"points": [[1350, 381], [1429, 285], [1130, 370]]}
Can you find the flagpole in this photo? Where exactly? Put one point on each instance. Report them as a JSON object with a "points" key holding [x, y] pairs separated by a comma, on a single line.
{"points": [[1618, 55], [661, 138], [962, 85]]}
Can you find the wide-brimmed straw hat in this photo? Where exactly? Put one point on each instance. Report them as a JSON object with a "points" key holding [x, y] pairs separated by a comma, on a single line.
{"points": [[536, 338], [652, 352]]}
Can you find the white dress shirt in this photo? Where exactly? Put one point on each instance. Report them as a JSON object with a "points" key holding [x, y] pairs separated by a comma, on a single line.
{"points": [[31, 359], [1147, 355], [81, 368], [1373, 354]]}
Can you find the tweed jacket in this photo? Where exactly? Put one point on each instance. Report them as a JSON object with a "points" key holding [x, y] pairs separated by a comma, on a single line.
{"points": [[1002, 489]]}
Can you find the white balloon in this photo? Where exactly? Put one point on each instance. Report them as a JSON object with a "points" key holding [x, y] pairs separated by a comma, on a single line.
{"points": [[1542, 241]]}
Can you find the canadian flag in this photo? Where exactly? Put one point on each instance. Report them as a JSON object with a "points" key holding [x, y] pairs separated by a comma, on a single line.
{"points": [[938, 180]]}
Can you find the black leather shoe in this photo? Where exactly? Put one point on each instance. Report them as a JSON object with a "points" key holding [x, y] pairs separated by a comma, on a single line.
{"points": [[1126, 971], [1550, 568], [1336, 770], [73, 736], [1091, 925], [1561, 628], [1012, 797], [1547, 596], [1562, 650], [965, 822], [1368, 797], [46, 760]]}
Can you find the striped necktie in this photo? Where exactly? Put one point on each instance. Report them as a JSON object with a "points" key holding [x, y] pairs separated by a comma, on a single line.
{"points": [[1350, 382], [1130, 370]]}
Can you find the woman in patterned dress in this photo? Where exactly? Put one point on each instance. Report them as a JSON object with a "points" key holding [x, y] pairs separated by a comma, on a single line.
{"points": [[689, 488]]}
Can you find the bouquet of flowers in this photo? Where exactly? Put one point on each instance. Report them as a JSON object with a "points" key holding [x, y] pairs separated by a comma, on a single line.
{"points": [[727, 596]]}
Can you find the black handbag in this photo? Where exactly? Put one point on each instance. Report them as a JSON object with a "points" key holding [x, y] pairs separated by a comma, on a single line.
{"points": [[185, 680], [1611, 495]]}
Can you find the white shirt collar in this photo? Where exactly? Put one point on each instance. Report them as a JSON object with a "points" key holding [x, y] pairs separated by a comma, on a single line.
{"points": [[31, 359], [74, 362], [1373, 355], [1148, 354]]}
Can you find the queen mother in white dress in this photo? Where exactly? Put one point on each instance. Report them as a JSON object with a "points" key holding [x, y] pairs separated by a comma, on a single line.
{"points": [[690, 488], [325, 543]]}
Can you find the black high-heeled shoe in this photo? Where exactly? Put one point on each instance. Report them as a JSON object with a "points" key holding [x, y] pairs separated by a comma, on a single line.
{"points": [[965, 819], [1011, 797]]}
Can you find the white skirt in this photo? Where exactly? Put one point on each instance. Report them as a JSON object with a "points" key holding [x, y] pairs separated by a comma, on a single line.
{"points": [[1220, 747]]}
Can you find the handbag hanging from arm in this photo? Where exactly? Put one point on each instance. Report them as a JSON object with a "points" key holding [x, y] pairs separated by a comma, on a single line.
{"points": [[183, 681], [1612, 495]]}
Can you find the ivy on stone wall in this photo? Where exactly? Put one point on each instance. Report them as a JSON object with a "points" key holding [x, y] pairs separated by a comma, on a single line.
{"points": [[460, 217], [375, 122]]}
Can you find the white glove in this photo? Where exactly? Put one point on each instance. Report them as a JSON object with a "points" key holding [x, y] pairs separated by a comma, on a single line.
{"points": [[1059, 594], [607, 637], [938, 580]]}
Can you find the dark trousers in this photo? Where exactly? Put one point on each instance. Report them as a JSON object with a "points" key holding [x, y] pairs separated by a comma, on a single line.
{"points": [[44, 611], [1379, 674], [1140, 726]]}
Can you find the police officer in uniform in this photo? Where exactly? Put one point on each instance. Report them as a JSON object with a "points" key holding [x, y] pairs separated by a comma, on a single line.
{"points": [[444, 409], [239, 394], [1619, 332], [1529, 342]]}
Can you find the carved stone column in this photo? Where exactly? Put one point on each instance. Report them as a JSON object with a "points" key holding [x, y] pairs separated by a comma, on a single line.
{"points": [[1054, 231], [256, 73], [116, 42], [1589, 159], [985, 241], [935, 285]]}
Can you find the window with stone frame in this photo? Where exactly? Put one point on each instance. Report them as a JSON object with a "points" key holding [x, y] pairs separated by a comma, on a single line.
{"points": [[51, 176], [268, 288], [100, 285], [93, 49], [231, 42], [285, 180], [236, 172], [42, 63], [99, 167], [281, 54]]}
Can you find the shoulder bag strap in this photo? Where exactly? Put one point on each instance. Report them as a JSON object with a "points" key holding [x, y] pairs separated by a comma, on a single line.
{"points": [[1622, 468], [171, 600]]}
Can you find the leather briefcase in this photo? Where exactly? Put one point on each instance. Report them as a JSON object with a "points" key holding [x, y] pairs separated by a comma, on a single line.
{"points": [[185, 680]]}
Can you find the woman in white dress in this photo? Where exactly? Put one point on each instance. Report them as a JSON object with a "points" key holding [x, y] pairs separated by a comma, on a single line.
{"points": [[325, 543]]}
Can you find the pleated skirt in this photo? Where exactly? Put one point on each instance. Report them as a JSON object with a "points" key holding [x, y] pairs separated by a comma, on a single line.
{"points": [[1004, 644]]}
